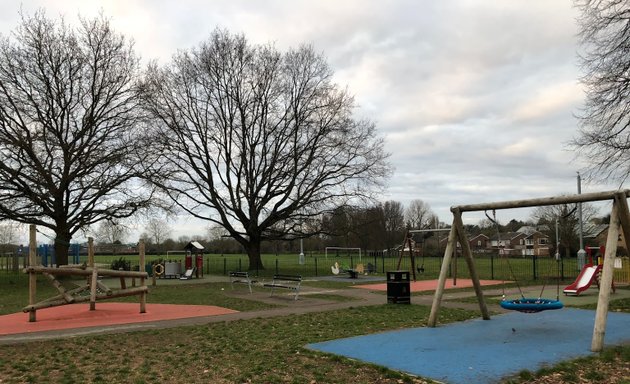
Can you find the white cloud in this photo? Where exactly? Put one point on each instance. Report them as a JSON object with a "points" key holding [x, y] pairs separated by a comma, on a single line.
{"points": [[475, 98]]}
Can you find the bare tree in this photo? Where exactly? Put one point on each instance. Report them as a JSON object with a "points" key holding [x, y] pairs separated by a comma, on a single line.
{"points": [[158, 230], [111, 232], [394, 223], [8, 234], [419, 215], [604, 135], [567, 218], [259, 141], [69, 139]]}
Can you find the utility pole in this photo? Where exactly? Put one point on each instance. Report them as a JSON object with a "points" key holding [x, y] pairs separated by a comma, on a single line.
{"points": [[581, 255]]}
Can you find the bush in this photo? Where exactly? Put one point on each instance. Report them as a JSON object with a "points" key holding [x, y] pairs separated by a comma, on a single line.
{"points": [[121, 263]]}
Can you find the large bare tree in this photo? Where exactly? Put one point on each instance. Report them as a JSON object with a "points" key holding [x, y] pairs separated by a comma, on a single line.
{"points": [[69, 137], [419, 215], [604, 135], [158, 229], [394, 223], [257, 140]]}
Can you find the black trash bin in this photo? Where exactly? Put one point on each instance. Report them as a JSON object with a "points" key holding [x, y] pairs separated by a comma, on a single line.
{"points": [[398, 287]]}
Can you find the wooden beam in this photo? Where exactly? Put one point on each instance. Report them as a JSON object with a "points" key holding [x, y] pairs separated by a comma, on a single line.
{"points": [[90, 252], [437, 298], [603, 300], [555, 200], [60, 288], [468, 256], [82, 299], [84, 272], [624, 218], [93, 286]]}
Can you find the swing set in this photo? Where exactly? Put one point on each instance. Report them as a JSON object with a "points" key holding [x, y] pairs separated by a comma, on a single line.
{"points": [[619, 223], [523, 304], [409, 245]]}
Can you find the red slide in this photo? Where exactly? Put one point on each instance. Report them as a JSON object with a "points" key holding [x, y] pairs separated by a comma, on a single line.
{"points": [[584, 280]]}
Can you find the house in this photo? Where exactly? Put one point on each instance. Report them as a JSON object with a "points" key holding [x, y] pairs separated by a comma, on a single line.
{"points": [[524, 243], [595, 235], [479, 243]]}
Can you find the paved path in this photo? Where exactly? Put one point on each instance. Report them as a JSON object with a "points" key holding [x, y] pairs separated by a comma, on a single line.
{"points": [[286, 306]]}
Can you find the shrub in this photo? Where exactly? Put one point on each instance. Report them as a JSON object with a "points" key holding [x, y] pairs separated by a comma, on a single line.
{"points": [[121, 263]]}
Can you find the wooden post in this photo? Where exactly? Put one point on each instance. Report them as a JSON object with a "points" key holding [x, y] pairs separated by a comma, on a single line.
{"points": [[599, 330], [94, 277], [32, 277], [624, 217], [93, 285], [437, 299], [467, 253], [143, 295], [90, 252]]}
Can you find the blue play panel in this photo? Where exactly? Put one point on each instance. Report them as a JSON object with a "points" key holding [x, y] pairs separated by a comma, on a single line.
{"points": [[483, 351]]}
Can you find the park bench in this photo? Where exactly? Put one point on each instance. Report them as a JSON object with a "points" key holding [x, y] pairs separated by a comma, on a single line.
{"points": [[291, 282], [240, 278]]}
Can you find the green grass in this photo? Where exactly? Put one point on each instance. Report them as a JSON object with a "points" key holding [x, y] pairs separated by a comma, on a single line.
{"points": [[262, 350], [610, 366], [259, 350]]}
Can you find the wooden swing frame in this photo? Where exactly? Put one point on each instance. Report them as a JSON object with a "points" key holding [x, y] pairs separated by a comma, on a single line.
{"points": [[619, 223]]}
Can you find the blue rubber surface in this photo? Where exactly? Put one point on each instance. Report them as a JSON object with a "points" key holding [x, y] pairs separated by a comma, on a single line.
{"points": [[483, 351]]}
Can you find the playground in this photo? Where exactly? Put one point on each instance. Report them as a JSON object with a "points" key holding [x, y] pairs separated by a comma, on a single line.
{"points": [[440, 337]]}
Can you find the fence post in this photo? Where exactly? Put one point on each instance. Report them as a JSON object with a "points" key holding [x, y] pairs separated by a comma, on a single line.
{"points": [[534, 267], [316, 274], [224, 266], [240, 264], [277, 266]]}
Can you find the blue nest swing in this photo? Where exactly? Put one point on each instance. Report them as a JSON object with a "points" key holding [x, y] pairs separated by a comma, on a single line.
{"points": [[530, 305]]}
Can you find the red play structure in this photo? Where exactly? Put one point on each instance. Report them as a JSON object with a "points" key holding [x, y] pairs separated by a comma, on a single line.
{"points": [[590, 273]]}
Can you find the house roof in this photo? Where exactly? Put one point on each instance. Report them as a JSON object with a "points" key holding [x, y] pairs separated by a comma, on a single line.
{"points": [[593, 230]]}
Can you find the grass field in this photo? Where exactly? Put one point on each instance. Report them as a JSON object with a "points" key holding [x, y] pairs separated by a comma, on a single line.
{"points": [[262, 350]]}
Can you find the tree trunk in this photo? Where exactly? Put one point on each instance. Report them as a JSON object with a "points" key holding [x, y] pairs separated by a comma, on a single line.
{"points": [[253, 253], [62, 245]]}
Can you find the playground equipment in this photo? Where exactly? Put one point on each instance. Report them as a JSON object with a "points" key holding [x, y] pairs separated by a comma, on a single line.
{"points": [[524, 304], [584, 280], [619, 222], [410, 246], [96, 289], [590, 273]]}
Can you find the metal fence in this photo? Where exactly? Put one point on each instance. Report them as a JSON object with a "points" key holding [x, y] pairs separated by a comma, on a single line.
{"points": [[531, 269], [528, 269]]}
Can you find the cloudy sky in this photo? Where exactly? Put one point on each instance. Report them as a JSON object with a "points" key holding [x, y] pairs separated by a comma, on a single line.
{"points": [[476, 99]]}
